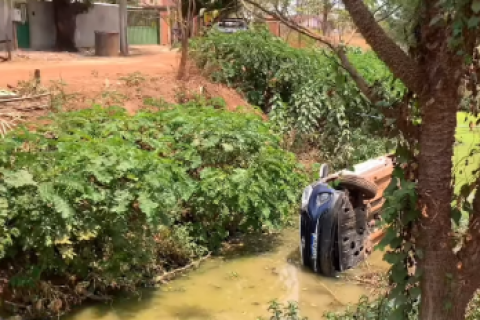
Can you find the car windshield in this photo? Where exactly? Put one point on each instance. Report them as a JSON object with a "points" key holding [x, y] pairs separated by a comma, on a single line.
{"points": [[231, 24]]}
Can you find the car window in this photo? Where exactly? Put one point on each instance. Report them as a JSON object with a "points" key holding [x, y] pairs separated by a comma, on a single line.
{"points": [[231, 24]]}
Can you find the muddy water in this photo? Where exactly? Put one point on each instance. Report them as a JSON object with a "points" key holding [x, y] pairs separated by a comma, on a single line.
{"points": [[240, 287]]}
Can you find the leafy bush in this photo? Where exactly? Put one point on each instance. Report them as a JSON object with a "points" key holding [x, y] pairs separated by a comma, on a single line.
{"points": [[100, 200], [281, 312], [275, 76], [378, 309], [365, 309], [303, 90]]}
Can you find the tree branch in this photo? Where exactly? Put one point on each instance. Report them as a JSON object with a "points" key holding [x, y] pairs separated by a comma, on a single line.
{"points": [[338, 50], [291, 24], [401, 65], [389, 14]]}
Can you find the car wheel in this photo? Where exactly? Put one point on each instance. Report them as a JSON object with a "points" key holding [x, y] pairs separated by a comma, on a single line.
{"points": [[304, 256], [328, 230], [356, 183], [352, 234]]}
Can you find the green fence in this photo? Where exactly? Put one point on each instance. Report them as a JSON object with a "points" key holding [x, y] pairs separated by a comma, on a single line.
{"points": [[143, 35], [143, 27]]}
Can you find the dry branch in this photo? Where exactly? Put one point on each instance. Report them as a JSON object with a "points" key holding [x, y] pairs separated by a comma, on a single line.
{"points": [[169, 275]]}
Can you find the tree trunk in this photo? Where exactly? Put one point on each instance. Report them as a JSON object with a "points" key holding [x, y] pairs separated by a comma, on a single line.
{"points": [[183, 28], [65, 18], [186, 21], [435, 190], [447, 285], [325, 13], [65, 24], [182, 68]]}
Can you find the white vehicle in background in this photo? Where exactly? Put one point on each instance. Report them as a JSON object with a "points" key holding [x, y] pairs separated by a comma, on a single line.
{"points": [[231, 25]]}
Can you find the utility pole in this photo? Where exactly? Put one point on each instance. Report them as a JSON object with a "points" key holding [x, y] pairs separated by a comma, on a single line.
{"points": [[14, 26], [123, 27], [9, 28]]}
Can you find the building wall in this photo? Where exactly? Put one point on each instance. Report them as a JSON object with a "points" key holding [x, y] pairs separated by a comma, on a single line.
{"points": [[165, 29], [5, 22], [42, 28], [274, 26], [102, 17]]}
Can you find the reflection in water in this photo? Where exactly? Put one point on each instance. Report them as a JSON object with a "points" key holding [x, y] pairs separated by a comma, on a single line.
{"points": [[238, 288]]}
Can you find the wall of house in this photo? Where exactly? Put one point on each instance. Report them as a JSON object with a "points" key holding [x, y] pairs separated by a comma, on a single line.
{"points": [[165, 29], [5, 22], [274, 26], [101, 17], [42, 28]]}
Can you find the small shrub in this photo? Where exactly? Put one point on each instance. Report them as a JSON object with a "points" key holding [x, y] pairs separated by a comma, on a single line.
{"points": [[281, 312]]}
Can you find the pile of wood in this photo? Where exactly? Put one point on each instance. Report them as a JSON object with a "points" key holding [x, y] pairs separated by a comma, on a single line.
{"points": [[18, 107]]}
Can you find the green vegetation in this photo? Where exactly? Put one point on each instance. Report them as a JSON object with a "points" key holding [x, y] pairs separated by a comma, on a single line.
{"points": [[365, 309], [305, 91], [467, 150], [79, 197]]}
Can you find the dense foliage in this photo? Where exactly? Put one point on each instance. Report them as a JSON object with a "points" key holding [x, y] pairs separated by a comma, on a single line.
{"points": [[80, 196], [365, 309], [304, 90]]}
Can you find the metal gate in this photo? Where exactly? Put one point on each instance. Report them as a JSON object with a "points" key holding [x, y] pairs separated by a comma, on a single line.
{"points": [[23, 35], [143, 26]]}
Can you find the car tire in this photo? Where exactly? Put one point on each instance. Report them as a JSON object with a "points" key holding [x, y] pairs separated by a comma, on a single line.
{"points": [[328, 231], [304, 243], [356, 183], [352, 234]]}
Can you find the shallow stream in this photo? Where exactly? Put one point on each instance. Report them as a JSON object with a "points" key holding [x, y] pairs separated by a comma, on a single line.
{"points": [[240, 286]]}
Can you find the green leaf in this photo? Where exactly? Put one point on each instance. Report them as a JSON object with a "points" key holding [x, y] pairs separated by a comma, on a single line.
{"points": [[397, 314], [390, 235], [465, 191], [393, 257], [415, 292], [18, 179], [227, 147], [266, 213], [473, 22], [46, 191], [476, 6], [3, 203], [456, 216], [399, 273], [147, 206], [63, 207]]}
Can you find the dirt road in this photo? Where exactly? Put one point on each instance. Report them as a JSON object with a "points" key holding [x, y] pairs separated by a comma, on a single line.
{"points": [[95, 78], [79, 69]]}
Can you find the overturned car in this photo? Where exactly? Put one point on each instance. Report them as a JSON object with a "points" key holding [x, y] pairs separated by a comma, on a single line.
{"points": [[338, 215]]}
